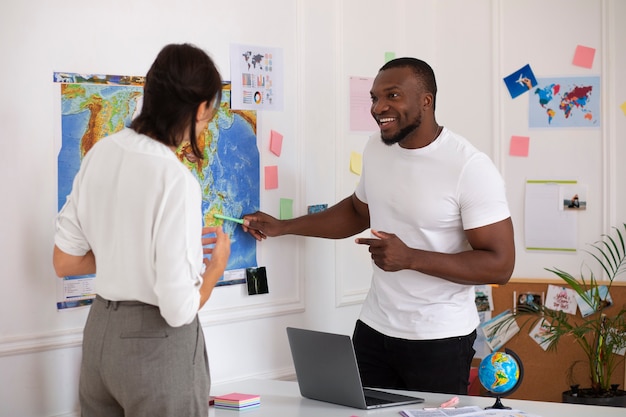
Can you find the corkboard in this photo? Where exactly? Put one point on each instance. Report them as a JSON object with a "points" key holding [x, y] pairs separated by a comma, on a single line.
{"points": [[546, 372]]}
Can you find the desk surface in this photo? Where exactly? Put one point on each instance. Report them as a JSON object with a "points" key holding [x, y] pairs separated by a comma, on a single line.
{"points": [[282, 398]]}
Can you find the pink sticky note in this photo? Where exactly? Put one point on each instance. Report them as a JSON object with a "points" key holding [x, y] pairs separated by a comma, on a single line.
{"points": [[583, 57], [276, 142], [519, 146], [271, 177], [360, 104]]}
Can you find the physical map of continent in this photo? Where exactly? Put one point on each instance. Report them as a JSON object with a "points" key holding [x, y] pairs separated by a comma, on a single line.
{"points": [[228, 174]]}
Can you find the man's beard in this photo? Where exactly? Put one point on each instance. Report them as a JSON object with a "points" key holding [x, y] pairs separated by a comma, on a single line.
{"points": [[403, 133]]}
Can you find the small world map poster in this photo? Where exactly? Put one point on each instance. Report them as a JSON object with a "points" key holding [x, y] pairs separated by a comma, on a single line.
{"points": [[565, 102], [95, 106]]}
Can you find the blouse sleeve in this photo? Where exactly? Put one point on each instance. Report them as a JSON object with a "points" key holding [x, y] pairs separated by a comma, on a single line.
{"points": [[178, 252]]}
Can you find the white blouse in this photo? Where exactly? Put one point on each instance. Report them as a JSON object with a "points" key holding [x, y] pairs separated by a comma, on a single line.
{"points": [[139, 209]]}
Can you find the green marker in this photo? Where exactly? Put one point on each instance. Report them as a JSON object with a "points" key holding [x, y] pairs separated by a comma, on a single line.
{"points": [[232, 219]]}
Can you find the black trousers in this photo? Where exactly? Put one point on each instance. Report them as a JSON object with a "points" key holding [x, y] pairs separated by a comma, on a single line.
{"points": [[441, 365]]}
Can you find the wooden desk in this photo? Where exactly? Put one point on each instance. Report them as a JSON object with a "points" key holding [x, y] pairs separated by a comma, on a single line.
{"points": [[282, 398]]}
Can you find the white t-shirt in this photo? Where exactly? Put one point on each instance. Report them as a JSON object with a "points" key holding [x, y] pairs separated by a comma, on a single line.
{"points": [[427, 197], [139, 209]]}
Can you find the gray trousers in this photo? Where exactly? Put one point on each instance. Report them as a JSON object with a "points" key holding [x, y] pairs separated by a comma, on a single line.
{"points": [[135, 365]]}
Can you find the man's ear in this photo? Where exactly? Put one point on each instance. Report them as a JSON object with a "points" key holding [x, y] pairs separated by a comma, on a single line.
{"points": [[427, 100]]}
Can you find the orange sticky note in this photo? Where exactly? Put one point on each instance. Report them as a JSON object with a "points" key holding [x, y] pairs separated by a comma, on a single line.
{"points": [[271, 177], [276, 142], [519, 146], [583, 57], [356, 163]]}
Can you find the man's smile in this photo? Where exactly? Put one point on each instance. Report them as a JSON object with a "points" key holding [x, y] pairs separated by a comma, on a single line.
{"points": [[383, 121]]}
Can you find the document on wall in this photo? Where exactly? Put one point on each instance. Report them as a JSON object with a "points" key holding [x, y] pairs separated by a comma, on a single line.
{"points": [[360, 103], [256, 77], [546, 226]]}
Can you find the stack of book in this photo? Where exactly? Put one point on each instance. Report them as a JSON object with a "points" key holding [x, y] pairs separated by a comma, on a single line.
{"points": [[237, 401]]}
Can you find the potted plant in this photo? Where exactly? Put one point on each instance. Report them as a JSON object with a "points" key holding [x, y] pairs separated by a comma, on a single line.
{"points": [[598, 334]]}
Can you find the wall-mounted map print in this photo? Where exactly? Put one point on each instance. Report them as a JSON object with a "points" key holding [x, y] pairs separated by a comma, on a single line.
{"points": [[565, 102]]}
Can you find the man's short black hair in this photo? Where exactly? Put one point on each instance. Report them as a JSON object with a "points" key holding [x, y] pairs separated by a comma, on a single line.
{"points": [[423, 72]]}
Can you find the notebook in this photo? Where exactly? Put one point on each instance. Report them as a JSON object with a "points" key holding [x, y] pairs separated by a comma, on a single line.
{"points": [[326, 370]]}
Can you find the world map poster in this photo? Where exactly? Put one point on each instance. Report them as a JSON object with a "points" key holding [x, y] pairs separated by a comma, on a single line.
{"points": [[565, 102], [95, 106]]}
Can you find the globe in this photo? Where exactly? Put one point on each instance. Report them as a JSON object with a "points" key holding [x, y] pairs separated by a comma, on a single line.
{"points": [[501, 373]]}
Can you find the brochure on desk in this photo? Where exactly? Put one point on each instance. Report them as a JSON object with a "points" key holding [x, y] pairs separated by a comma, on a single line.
{"points": [[472, 411]]}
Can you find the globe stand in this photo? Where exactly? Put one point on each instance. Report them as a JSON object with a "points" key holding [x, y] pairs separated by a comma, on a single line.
{"points": [[498, 404]]}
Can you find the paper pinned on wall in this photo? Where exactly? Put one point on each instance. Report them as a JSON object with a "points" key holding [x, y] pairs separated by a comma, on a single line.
{"points": [[546, 226], [496, 339], [360, 104], [276, 142], [583, 56], [286, 208], [602, 293], [356, 163], [561, 299], [540, 334], [520, 81], [519, 146], [257, 77], [271, 177]]}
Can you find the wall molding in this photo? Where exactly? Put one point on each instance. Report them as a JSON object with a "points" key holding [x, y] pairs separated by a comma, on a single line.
{"points": [[41, 342], [71, 338], [349, 297], [241, 313]]}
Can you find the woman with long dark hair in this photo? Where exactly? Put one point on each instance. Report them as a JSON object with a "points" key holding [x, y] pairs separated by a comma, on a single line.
{"points": [[134, 219]]}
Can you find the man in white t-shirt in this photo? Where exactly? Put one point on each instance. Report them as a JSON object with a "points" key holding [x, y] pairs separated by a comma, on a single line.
{"points": [[440, 224]]}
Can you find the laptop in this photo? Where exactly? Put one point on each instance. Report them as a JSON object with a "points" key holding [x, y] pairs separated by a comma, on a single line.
{"points": [[327, 370]]}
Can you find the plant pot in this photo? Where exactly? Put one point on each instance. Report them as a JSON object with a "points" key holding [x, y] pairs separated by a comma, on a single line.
{"points": [[616, 398]]}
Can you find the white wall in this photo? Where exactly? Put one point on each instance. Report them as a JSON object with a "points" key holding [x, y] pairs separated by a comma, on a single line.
{"points": [[471, 45]]}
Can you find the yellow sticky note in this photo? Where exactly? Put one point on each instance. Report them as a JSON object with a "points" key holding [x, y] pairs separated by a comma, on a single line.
{"points": [[623, 107], [356, 163]]}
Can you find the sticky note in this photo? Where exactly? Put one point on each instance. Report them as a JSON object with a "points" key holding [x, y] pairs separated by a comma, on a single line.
{"points": [[519, 146], [271, 177], [583, 57], [623, 107], [286, 208], [389, 56], [356, 162], [276, 142]]}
